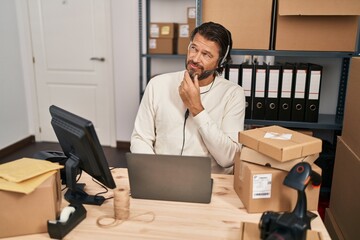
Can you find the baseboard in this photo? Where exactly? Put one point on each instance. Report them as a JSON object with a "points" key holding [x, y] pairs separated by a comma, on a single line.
{"points": [[16, 146], [123, 145], [31, 139]]}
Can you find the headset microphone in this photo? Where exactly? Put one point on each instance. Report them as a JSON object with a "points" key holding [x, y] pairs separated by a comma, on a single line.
{"points": [[206, 73]]}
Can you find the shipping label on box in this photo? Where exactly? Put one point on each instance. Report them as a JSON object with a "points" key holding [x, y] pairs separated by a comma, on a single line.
{"points": [[184, 31], [261, 185], [284, 145], [154, 30]]}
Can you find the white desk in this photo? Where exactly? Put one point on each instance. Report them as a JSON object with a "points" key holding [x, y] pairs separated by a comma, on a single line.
{"points": [[173, 220]]}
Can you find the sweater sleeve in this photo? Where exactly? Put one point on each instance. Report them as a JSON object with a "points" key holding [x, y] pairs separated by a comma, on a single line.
{"points": [[143, 135], [222, 141]]}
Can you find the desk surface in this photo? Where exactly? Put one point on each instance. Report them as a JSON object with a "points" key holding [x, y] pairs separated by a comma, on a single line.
{"points": [[221, 219]]}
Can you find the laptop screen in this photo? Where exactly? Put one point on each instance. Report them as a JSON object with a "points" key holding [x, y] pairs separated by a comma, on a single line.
{"points": [[170, 177]]}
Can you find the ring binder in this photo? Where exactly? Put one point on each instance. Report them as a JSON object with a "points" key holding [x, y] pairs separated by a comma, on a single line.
{"points": [[272, 92], [246, 81], [313, 92], [285, 101], [298, 106], [259, 92]]}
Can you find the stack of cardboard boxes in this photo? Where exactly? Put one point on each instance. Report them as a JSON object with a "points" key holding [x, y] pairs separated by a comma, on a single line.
{"points": [[341, 218], [267, 155], [163, 38], [302, 25], [172, 38], [185, 30]]}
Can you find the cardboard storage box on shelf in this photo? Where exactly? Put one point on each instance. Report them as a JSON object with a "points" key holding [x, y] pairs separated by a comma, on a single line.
{"points": [[272, 141], [162, 45], [261, 188], [183, 41], [248, 21], [23, 214], [345, 194], [252, 156], [320, 25], [332, 226], [163, 38], [351, 129], [163, 30], [251, 231]]}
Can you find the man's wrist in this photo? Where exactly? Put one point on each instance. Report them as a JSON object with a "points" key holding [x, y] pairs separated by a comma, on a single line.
{"points": [[196, 111]]}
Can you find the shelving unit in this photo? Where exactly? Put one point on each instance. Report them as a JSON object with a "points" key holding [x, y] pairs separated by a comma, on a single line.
{"points": [[326, 121]]}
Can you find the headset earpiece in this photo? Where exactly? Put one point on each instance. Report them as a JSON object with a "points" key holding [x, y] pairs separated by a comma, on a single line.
{"points": [[223, 60]]}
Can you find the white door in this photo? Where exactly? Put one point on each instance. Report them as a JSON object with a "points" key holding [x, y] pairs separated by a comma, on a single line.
{"points": [[73, 63]]}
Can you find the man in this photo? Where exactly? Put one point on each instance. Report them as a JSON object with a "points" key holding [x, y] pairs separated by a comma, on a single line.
{"points": [[194, 112]]}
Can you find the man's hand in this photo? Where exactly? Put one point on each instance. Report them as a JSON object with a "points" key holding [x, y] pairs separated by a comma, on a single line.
{"points": [[189, 91]]}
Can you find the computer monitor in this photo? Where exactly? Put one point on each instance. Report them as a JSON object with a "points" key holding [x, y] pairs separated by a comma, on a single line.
{"points": [[80, 144]]}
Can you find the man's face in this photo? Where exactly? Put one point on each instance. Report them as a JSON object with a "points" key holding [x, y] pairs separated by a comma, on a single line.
{"points": [[202, 58]]}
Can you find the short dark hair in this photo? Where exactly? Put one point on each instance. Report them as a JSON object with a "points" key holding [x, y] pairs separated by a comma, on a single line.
{"points": [[217, 33]]}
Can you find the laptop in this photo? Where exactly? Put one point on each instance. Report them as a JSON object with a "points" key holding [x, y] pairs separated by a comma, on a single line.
{"points": [[170, 177]]}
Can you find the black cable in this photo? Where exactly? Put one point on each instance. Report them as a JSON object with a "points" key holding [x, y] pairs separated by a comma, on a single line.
{"points": [[186, 117]]}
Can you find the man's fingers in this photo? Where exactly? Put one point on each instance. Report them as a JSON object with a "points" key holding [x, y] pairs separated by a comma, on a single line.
{"points": [[196, 81]]}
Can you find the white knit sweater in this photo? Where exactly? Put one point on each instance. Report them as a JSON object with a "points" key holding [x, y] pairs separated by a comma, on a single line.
{"points": [[159, 123]]}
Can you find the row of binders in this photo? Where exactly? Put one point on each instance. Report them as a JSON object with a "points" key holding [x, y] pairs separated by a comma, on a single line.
{"points": [[283, 91]]}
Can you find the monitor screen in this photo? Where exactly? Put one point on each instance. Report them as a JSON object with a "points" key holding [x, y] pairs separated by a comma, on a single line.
{"points": [[80, 144]]}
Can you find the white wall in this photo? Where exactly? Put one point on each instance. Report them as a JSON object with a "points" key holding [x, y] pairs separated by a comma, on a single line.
{"points": [[126, 65], [14, 116]]}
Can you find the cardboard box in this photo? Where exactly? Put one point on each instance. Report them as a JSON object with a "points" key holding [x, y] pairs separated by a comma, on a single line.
{"points": [[252, 156], [185, 30], [248, 21], [163, 30], [191, 15], [22, 214], [345, 194], [317, 26], [261, 189], [332, 226], [162, 45], [183, 41], [182, 45], [251, 231], [299, 146], [351, 129]]}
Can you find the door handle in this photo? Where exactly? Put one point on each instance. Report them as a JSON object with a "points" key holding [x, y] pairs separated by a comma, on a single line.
{"points": [[97, 59]]}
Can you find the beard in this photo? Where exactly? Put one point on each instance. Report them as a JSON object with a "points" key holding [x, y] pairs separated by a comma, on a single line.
{"points": [[204, 73]]}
